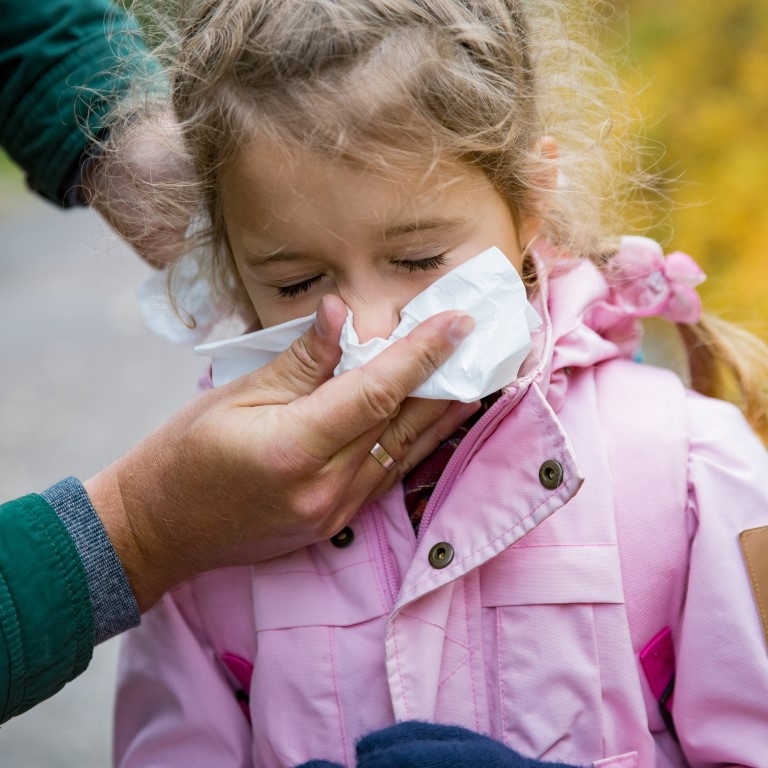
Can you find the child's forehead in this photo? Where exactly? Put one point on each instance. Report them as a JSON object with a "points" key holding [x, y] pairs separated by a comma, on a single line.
{"points": [[268, 188], [268, 166]]}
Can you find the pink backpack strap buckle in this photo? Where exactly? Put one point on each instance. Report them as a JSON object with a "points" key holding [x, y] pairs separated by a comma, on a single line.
{"points": [[242, 670], [658, 662]]}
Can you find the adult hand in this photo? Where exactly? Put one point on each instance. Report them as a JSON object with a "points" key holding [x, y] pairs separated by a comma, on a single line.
{"points": [[276, 460]]}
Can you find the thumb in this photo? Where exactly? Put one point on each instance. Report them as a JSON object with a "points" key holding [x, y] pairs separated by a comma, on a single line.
{"points": [[311, 359]]}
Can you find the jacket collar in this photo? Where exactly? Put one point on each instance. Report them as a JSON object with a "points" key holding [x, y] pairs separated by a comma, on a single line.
{"points": [[582, 324]]}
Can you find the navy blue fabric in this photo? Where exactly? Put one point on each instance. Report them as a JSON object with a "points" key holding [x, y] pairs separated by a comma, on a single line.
{"points": [[427, 745]]}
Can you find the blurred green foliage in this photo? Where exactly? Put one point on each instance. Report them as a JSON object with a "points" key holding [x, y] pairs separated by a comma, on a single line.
{"points": [[699, 72]]}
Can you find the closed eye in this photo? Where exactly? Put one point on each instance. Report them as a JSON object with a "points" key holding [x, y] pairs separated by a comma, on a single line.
{"points": [[432, 262], [291, 291], [409, 265]]}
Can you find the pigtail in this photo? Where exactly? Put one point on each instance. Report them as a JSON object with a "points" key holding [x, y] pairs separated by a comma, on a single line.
{"points": [[730, 363]]}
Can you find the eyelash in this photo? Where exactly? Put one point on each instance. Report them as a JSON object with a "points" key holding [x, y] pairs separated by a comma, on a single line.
{"points": [[292, 291], [432, 262]]}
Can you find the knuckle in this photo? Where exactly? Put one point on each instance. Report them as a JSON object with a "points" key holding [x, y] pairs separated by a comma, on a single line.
{"points": [[304, 365], [379, 400], [317, 509], [330, 505], [292, 461], [431, 357], [401, 435]]}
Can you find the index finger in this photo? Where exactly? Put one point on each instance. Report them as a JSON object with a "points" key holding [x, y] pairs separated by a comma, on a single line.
{"points": [[349, 405]]}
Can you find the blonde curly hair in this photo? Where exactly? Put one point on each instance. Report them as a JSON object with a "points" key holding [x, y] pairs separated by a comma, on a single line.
{"points": [[386, 84]]}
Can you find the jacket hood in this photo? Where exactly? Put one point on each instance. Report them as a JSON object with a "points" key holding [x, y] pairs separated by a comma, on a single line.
{"points": [[590, 315]]}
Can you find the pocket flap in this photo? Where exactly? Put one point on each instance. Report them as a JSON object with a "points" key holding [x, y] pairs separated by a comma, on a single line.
{"points": [[544, 575], [308, 589]]}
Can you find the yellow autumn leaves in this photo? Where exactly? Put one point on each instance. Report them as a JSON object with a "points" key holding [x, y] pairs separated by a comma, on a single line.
{"points": [[699, 72]]}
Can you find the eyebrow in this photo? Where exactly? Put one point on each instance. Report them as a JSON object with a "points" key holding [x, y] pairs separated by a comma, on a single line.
{"points": [[273, 257], [438, 225], [434, 225]]}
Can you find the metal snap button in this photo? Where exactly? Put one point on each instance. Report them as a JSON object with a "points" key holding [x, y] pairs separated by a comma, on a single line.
{"points": [[441, 554], [551, 474], [343, 538]]}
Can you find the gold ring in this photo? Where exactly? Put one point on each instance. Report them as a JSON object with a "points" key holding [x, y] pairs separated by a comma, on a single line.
{"points": [[382, 456]]}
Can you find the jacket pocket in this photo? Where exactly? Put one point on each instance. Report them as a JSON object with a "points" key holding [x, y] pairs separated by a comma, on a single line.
{"points": [[543, 608], [318, 586], [318, 679]]}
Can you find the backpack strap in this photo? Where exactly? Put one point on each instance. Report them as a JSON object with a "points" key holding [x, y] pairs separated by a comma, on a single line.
{"points": [[644, 416]]}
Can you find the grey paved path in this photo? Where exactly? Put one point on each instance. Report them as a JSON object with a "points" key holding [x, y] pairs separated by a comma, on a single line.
{"points": [[80, 382]]}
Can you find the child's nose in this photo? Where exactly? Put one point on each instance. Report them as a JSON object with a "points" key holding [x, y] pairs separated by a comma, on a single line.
{"points": [[374, 318]]}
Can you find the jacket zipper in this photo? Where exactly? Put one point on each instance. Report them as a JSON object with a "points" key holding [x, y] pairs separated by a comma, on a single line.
{"points": [[386, 554], [505, 403]]}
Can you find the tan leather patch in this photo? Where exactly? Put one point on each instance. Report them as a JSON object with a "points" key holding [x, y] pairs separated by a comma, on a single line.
{"points": [[754, 547]]}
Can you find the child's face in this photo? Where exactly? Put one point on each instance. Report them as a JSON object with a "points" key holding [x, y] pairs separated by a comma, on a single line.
{"points": [[301, 225]]}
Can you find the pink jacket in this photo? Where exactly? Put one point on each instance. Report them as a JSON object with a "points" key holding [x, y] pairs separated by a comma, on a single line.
{"points": [[506, 614]]}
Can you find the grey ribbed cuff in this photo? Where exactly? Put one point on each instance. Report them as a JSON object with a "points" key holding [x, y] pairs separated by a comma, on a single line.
{"points": [[114, 606]]}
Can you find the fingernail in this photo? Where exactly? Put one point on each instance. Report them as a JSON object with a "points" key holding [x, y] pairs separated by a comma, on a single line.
{"points": [[460, 328], [322, 326]]}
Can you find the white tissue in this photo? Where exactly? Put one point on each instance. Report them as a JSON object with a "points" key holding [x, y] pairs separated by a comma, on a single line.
{"points": [[487, 287], [233, 358]]}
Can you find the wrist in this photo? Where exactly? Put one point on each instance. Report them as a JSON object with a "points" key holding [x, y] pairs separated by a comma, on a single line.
{"points": [[143, 568], [113, 602]]}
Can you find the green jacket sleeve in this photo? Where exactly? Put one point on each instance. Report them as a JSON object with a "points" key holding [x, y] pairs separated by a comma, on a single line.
{"points": [[62, 64], [46, 616]]}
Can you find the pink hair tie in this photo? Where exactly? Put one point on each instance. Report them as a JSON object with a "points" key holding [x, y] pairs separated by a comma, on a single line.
{"points": [[646, 284]]}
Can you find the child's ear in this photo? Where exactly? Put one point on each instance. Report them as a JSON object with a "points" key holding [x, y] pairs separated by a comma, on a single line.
{"points": [[543, 185]]}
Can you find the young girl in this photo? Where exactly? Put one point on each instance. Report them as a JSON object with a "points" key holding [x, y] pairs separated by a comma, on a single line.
{"points": [[578, 573]]}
